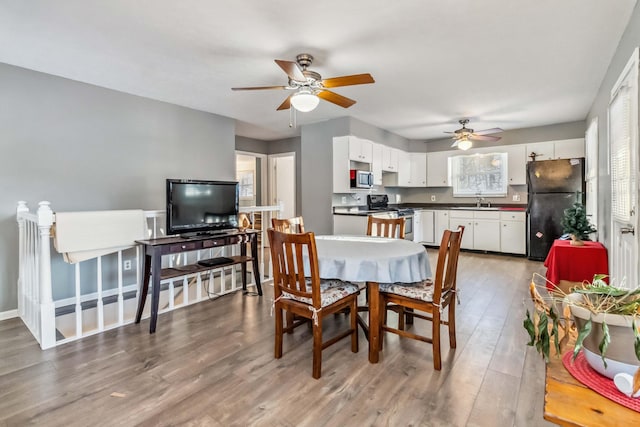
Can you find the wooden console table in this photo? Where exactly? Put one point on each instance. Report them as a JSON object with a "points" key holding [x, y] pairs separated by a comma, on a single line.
{"points": [[156, 248], [568, 402]]}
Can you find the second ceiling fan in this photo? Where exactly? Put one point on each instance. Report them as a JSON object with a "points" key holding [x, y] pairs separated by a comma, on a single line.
{"points": [[464, 136], [309, 87]]}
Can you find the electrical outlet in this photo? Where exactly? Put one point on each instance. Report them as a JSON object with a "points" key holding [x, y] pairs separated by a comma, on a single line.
{"points": [[344, 200], [433, 197], [398, 198], [127, 265], [516, 197]]}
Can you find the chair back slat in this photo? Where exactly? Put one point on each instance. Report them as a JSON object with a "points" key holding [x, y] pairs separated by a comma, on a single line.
{"points": [[447, 267], [288, 225], [288, 252], [386, 227]]}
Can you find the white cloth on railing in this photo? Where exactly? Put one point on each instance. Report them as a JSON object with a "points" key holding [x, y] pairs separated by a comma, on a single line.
{"points": [[84, 235]]}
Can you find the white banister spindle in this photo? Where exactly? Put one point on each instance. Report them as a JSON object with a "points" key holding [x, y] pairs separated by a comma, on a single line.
{"points": [[120, 291], [47, 307], [100, 303], [78, 302]]}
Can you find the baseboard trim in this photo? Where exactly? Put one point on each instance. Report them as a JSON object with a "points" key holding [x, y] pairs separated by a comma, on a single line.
{"points": [[5, 315]]}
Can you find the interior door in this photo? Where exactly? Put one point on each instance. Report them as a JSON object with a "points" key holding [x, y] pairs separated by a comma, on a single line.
{"points": [[282, 176], [623, 154]]}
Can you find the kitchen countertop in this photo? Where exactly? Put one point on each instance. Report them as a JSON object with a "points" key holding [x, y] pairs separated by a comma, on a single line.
{"points": [[363, 211]]}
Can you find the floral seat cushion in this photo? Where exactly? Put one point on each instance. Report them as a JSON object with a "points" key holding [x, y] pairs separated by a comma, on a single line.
{"points": [[331, 290], [419, 290]]}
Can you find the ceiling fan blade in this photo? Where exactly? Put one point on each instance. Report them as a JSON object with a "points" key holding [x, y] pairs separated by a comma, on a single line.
{"points": [[285, 105], [488, 131], [333, 97], [259, 88], [484, 138], [292, 69], [356, 79]]}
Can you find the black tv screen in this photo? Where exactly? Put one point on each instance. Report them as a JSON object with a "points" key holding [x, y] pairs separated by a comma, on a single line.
{"points": [[201, 206]]}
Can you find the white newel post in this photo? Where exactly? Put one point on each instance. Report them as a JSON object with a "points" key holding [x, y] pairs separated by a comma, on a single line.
{"points": [[21, 209], [47, 307]]}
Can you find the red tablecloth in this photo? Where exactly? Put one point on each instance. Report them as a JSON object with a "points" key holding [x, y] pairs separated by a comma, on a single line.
{"points": [[575, 263]]}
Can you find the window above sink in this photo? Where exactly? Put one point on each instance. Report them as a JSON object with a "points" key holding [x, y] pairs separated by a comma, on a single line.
{"points": [[479, 175]]}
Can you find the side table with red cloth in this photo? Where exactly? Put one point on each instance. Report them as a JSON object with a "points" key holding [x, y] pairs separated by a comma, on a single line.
{"points": [[575, 263]]}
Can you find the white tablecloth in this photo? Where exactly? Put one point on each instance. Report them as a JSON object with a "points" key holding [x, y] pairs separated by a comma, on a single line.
{"points": [[371, 259]]}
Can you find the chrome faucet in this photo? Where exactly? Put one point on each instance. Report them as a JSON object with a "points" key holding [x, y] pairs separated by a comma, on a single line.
{"points": [[479, 201]]}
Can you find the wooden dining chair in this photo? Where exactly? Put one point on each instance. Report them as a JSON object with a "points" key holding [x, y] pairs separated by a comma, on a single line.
{"points": [[385, 227], [306, 295], [288, 225], [428, 298]]}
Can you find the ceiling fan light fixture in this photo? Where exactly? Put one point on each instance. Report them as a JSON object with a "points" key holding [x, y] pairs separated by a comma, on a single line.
{"points": [[464, 143], [304, 100]]}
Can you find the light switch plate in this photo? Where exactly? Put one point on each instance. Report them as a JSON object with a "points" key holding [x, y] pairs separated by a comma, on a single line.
{"points": [[344, 200], [516, 197], [433, 198]]}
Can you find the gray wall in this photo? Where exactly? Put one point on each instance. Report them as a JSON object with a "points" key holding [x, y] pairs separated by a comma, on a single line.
{"points": [[82, 147], [630, 40]]}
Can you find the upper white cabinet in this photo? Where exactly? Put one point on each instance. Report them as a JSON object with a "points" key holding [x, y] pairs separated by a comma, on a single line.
{"points": [[389, 159], [376, 163], [342, 162], [360, 150], [403, 177], [569, 149], [517, 164], [418, 169], [438, 169], [563, 149]]}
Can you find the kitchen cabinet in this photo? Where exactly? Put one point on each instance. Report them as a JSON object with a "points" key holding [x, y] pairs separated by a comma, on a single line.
{"points": [[353, 225], [517, 164], [441, 223], [486, 231], [342, 163], [513, 233], [376, 163], [403, 177], [569, 149], [424, 226], [562, 149], [417, 169], [464, 218], [438, 169], [389, 159], [360, 150]]}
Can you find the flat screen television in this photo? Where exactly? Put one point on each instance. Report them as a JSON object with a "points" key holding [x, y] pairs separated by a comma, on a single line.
{"points": [[198, 207]]}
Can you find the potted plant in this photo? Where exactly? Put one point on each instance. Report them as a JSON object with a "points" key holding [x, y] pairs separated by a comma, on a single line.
{"points": [[576, 224], [605, 317]]}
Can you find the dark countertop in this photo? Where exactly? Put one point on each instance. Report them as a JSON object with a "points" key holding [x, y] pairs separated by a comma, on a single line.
{"points": [[364, 211]]}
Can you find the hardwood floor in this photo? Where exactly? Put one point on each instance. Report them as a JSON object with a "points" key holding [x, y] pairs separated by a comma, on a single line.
{"points": [[212, 364]]}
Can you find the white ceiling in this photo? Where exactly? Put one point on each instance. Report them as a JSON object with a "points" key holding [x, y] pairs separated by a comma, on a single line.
{"points": [[505, 63]]}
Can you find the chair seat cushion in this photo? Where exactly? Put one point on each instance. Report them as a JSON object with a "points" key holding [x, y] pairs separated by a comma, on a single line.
{"points": [[330, 291], [420, 290]]}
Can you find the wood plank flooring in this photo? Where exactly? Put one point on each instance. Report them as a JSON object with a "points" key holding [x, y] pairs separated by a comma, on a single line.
{"points": [[212, 364]]}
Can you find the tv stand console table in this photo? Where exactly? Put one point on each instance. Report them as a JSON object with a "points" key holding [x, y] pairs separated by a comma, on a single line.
{"points": [[154, 249]]}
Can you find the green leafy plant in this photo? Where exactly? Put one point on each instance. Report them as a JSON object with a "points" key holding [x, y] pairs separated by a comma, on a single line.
{"points": [[597, 297], [575, 222]]}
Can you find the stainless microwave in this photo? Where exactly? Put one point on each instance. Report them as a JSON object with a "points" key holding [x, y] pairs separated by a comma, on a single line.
{"points": [[361, 179]]}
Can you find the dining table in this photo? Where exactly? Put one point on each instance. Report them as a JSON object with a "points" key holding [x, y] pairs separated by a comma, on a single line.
{"points": [[372, 260]]}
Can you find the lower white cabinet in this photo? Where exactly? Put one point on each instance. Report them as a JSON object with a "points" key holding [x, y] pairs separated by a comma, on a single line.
{"points": [[424, 226], [486, 234], [355, 225], [513, 231], [441, 220], [464, 218]]}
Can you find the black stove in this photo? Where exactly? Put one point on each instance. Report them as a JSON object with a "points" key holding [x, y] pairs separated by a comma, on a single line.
{"points": [[380, 202]]}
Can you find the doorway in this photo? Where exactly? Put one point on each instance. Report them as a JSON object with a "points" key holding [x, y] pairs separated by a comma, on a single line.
{"points": [[282, 183], [251, 174]]}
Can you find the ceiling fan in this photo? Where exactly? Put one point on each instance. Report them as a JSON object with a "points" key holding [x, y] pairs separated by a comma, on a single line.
{"points": [[309, 87], [465, 135]]}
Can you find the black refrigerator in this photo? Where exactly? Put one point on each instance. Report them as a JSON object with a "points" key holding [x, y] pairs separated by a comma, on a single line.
{"points": [[553, 186]]}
